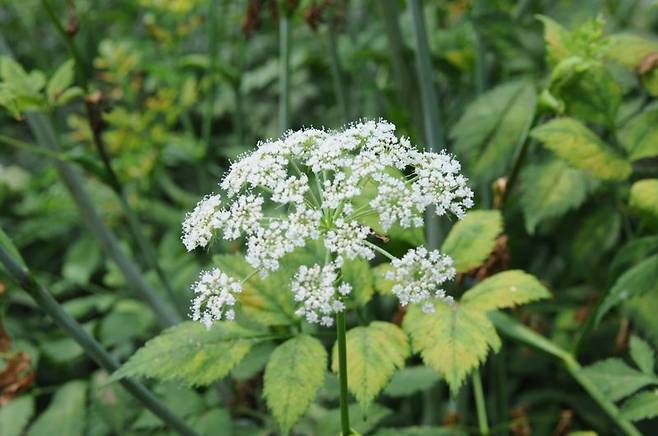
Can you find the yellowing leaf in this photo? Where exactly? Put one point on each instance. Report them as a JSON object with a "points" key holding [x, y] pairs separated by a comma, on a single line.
{"points": [[644, 197], [374, 353], [492, 126], [629, 50], [472, 239], [357, 273], [191, 353], [550, 189], [506, 289], [557, 39], [454, 340], [572, 141], [381, 283], [293, 376]]}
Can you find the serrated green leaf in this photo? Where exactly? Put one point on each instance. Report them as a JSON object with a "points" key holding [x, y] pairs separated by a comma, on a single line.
{"points": [[492, 127], [453, 340], [629, 50], [616, 379], [641, 310], [293, 376], [357, 273], [639, 136], [550, 189], [506, 289], [66, 412], [61, 79], [412, 379], [569, 139], [587, 89], [472, 239], [641, 406], [374, 353], [644, 197], [15, 415], [642, 354], [638, 280], [596, 234], [192, 354]]}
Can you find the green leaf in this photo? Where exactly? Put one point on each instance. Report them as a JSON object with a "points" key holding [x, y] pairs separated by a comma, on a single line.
{"points": [[506, 289], [185, 401], [551, 189], [15, 415], [587, 89], [65, 414], [128, 320], [639, 136], [408, 381], [632, 253], [472, 239], [453, 340], [493, 126], [253, 362], [642, 354], [629, 50], [596, 234], [357, 273], [572, 141], [616, 379], [362, 422], [448, 430], [293, 376], [82, 258], [267, 301], [374, 353], [641, 406], [641, 310], [62, 79], [638, 280], [644, 197], [190, 353]]}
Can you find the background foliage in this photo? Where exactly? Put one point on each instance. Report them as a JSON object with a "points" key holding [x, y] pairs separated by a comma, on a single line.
{"points": [[550, 105]]}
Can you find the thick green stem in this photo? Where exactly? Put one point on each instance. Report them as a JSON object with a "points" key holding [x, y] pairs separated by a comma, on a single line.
{"points": [[515, 330], [48, 304], [342, 374], [284, 72], [434, 135], [480, 404], [46, 138]]}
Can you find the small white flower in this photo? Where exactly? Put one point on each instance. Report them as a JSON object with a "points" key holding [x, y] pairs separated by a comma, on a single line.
{"points": [[315, 288], [346, 240], [395, 203], [199, 224], [214, 297], [418, 276], [244, 216]]}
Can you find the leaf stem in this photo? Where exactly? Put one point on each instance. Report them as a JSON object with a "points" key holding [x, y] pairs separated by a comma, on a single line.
{"points": [[49, 305], [380, 250], [342, 374], [480, 405], [515, 330]]}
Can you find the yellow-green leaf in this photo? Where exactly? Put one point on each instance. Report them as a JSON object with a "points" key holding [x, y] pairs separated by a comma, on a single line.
{"points": [[192, 354], [472, 239], [62, 79], [357, 273], [381, 283], [644, 197], [453, 340], [374, 353], [557, 39], [572, 141], [506, 289], [629, 50], [293, 376]]}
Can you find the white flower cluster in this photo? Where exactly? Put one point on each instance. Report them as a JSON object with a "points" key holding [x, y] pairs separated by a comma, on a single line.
{"points": [[315, 288], [310, 185], [417, 276], [214, 297]]}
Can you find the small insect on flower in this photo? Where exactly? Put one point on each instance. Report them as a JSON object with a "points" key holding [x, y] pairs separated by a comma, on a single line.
{"points": [[318, 185]]}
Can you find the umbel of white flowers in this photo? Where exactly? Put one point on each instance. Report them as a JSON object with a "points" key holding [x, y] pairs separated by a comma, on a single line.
{"points": [[310, 185]]}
